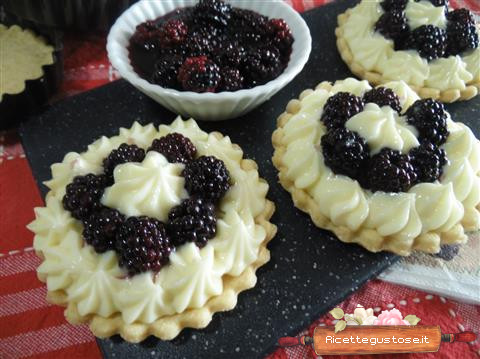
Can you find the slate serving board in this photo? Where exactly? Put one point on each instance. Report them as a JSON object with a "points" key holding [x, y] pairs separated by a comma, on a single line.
{"points": [[310, 271]]}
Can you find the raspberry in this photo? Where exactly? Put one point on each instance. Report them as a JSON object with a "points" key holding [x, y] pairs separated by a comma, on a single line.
{"points": [[430, 41], [173, 32], [430, 119], [428, 161], [207, 177], [232, 80], [390, 171], [165, 72], [282, 36], [213, 12], [199, 74], [345, 152], [339, 108], [393, 25], [175, 147], [82, 196], [383, 96], [194, 220], [146, 35], [461, 37], [101, 227], [462, 16], [142, 245], [125, 153], [389, 5]]}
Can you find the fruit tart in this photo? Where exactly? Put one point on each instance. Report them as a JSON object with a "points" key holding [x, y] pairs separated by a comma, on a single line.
{"points": [[152, 230], [434, 49], [379, 166]]}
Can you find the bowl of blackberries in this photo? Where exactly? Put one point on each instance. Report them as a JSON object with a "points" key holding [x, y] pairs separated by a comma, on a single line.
{"points": [[209, 59]]}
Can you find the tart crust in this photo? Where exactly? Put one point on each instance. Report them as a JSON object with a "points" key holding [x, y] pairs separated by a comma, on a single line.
{"points": [[168, 327], [368, 238], [376, 78]]}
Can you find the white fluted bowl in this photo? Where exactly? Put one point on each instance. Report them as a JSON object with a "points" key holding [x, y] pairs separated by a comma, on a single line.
{"points": [[207, 106]]}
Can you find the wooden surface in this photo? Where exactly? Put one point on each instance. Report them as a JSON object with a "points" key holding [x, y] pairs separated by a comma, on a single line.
{"points": [[372, 339]]}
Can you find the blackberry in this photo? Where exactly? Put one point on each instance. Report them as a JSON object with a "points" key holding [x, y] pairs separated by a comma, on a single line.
{"points": [[339, 108], [461, 37], [383, 96], [142, 245], [207, 177], [244, 20], [123, 154], [462, 16], [199, 74], [198, 45], [430, 41], [428, 161], [101, 227], [230, 54], [165, 72], [175, 147], [282, 35], [390, 171], [146, 36], [82, 196], [430, 119], [213, 12], [232, 79], [389, 5], [173, 32], [261, 65], [448, 252], [194, 220], [345, 152], [393, 25]]}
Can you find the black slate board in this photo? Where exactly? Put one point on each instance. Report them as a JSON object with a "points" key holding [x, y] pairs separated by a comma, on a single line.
{"points": [[310, 271]]}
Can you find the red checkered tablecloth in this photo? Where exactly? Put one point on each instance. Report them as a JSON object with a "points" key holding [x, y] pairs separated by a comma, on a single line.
{"points": [[30, 327]]}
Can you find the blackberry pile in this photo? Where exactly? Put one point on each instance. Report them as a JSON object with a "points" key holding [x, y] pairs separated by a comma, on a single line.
{"points": [[211, 47], [144, 243], [346, 153], [431, 42]]}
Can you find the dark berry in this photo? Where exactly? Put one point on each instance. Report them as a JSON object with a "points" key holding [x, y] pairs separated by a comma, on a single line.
{"points": [[142, 245], [428, 161], [430, 119], [448, 252], [244, 20], [207, 177], [438, 2], [282, 36], [339, 108], [430, 41], [383, 96], [261, 65], [173, 32], [198, 45], [82, 196], [389, 5], [390, 171], [213, 12], [393, 25], [461, 37], [165, 72], [199, 74], [194, 220], [232, 80], [462, 16], [230, 54], [344, 151], [123, 154], [175, 147], [101, 227], [146, 36]]}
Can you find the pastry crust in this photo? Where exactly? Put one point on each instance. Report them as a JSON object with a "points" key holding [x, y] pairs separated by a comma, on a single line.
{"points": [[369, 238], [168, 327], [376, 78]]}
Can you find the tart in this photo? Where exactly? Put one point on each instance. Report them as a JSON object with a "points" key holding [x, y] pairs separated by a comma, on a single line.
{"points": [[434, 49], [152, 231], [380, 167]]}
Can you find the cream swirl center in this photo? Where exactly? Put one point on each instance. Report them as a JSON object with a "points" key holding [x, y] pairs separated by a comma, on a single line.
{"points": [[150, 188]]}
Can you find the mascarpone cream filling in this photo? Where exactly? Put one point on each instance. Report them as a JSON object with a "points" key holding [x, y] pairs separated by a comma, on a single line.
{"points": [[424, 208], [374, 52], [95, 282]]}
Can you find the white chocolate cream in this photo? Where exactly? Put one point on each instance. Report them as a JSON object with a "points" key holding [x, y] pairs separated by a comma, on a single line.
{"points": [[374, 52], [95, 282], [424, 208]]}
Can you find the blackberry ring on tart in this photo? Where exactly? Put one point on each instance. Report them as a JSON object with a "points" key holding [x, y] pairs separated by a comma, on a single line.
{"points": [[379, 166], [430, 46], [152, 231]]}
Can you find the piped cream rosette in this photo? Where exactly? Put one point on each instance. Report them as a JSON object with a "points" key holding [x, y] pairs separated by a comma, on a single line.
{"points": [[424, 218], [196, 283], [372, 57]]}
